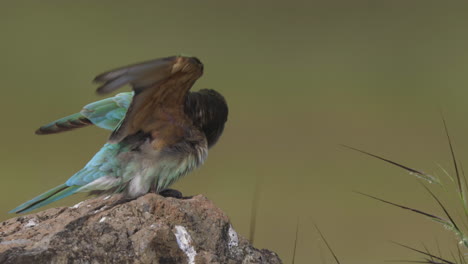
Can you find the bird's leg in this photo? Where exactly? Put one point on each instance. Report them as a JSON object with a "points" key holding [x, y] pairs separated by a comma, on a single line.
{"points": [[171, 193], [174, 194]]}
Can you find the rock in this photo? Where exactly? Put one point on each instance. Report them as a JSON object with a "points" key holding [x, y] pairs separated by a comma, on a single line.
{"points": [[150, 229]]}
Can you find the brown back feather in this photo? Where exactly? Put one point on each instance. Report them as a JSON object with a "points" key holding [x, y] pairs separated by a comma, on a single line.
{"points": [[158, 104]]}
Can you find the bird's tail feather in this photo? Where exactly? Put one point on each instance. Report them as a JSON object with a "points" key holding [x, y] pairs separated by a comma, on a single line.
{"points": [[48, 197], [64, 124]]}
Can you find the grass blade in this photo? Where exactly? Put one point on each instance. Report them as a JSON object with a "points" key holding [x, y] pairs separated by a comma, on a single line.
{"points": [[326, 243], [444, 261], [295, 242], [253, 212], [412, 171], [431, 216], [454, 160]]}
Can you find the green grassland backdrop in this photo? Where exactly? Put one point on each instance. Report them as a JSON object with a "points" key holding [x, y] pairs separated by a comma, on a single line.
{"points": [[300, 77]]}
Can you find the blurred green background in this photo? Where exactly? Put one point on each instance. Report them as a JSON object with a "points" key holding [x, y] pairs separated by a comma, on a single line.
{"points": [[300, 78]]}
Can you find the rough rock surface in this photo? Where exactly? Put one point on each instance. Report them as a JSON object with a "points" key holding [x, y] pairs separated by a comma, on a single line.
{"points": [[150, 229]]}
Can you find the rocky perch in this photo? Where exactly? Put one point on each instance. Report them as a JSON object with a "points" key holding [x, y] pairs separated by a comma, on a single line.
{"points": [[150, 229]]}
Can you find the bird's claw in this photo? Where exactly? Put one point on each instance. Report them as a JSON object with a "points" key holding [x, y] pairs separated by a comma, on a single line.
{"points": [[173, 194]]}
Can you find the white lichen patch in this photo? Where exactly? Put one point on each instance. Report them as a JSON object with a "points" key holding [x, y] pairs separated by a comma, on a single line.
{"points": [[77, 205], [156, 225], [15, 241], [185, 243], [233, 238], [100, 209], [32, 222], [102, 219]]}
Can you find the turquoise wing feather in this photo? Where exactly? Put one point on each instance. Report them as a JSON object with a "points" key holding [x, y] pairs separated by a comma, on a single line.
{"points": [[109, 112], [48, 197], [103, 164], [106, 113]]}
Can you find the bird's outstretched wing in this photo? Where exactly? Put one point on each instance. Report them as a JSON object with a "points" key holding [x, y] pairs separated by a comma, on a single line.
{"points": [[110, 112], [160, 88], [106, 113]]}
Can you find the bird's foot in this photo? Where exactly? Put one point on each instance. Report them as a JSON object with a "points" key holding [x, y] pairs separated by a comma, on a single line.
{"points": [[173, 193]]}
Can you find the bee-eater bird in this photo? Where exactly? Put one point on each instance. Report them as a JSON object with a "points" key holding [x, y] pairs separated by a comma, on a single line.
{"points": [[160, 131]]}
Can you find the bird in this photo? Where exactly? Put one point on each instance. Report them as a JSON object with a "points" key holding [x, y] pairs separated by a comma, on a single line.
{"points": [[160, 131]]}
